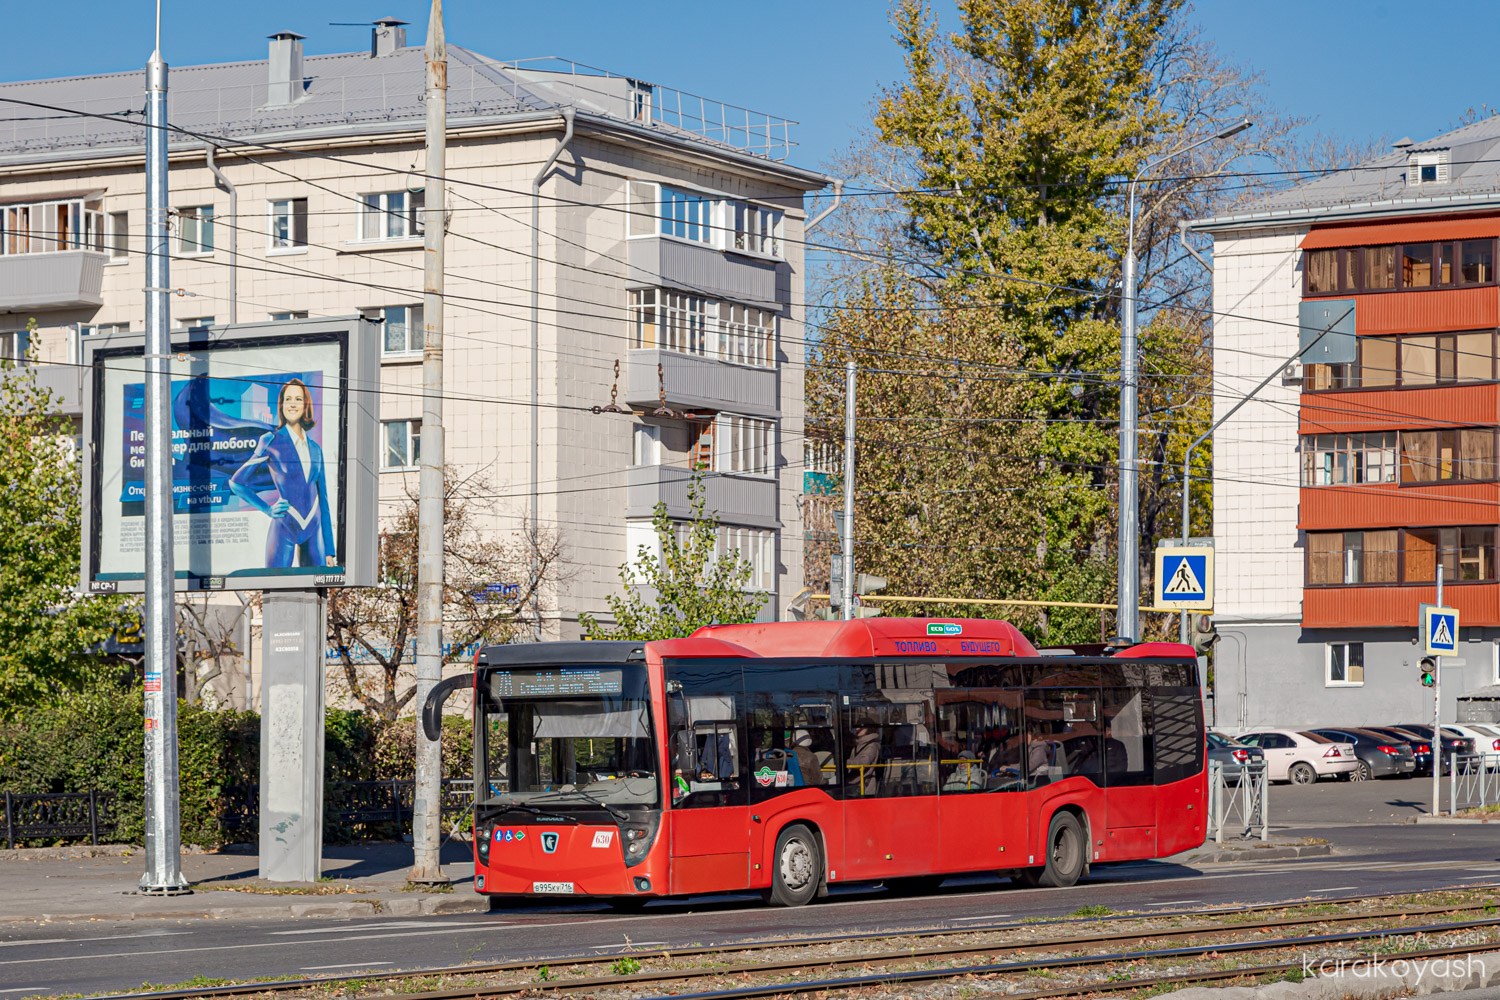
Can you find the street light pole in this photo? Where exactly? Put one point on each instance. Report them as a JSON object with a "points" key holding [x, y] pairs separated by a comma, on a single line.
{"points": [[1128, 573], [163, 838]]}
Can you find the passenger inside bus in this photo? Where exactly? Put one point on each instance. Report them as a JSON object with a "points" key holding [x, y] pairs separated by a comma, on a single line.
{"points": [[863, 759]]}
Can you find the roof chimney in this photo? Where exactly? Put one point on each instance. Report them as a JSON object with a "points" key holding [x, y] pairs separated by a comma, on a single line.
{"points": [[285, 68], [388, 35]]}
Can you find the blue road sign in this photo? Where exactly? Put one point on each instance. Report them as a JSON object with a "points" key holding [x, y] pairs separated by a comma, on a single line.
{"points": [[1439, 630], [1184, 577]]}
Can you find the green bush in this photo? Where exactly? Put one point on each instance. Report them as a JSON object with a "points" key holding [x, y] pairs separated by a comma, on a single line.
{"points": [[93, 741]]}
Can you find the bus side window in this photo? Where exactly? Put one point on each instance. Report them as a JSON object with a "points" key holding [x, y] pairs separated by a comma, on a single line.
{"points": [[979, 740], [1127, 736], [1177, 738], [792, 742]]}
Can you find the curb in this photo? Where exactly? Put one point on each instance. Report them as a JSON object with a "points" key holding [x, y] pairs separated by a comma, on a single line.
{"points": [[410, 906], [1397, 976], [1456, 820], [1283, 853]]}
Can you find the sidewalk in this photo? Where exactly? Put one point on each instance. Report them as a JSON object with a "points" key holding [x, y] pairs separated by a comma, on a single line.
{"points": [[99, 884]]}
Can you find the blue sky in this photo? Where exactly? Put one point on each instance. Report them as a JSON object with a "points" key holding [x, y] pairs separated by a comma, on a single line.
{"points": [[1361, 69]]}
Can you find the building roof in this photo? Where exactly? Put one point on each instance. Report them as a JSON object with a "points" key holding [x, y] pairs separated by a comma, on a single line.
{"points": [[1380, 186], [354, 93]]}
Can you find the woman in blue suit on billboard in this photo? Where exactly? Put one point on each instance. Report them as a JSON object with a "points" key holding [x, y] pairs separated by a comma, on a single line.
{"points": [[301, 522]]}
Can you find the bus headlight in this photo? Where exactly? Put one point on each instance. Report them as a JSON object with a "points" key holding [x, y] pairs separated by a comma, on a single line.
{"points": [[484, 845], [636, 838]]}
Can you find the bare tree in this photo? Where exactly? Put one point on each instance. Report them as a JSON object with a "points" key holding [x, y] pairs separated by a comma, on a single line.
{"points": [[488, 594], [208, 639]]}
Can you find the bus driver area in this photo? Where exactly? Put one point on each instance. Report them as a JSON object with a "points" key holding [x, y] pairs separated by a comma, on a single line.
{"points": [[784, 757]]}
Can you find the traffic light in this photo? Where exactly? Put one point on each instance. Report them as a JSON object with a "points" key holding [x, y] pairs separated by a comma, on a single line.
{"points": [[868, 583], [1201, 632], [1429, 671]]}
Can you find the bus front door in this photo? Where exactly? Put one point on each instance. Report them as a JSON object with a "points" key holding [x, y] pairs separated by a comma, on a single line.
{"points": [[710, 816]]}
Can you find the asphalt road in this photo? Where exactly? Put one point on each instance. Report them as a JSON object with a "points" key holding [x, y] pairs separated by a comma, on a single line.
{"points": [[99, 956]]}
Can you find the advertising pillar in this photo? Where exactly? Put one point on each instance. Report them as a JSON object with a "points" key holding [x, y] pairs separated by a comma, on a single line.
{"points": [[291, 736]]}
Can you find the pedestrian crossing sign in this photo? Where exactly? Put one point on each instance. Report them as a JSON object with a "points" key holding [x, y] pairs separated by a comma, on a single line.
{"points": [[1185, 578], [1439, 630]]}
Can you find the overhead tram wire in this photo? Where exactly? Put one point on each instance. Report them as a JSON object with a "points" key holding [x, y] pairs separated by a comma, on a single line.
{"points": [[1089, 292]]}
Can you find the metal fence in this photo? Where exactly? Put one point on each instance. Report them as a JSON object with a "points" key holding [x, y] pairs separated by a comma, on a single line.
{"points": [[1473, 781], [1238, 802], [351, 810], [71, 815]]}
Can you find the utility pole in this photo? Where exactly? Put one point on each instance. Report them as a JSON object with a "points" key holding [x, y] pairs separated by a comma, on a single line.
{"points": [[848, 532], [1128, 570], [426, 824], [163, 874], [1437, 707]]}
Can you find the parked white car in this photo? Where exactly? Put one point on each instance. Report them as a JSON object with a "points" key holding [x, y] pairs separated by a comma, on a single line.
{"points": [[1486, 741], [1302, 758]]}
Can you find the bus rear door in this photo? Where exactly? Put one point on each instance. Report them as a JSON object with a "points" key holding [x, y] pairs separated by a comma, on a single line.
{"points": [[890, 790]]}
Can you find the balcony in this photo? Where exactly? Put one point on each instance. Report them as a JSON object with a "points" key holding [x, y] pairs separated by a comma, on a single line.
{"points": [[1395, 605], [35, 282], [691, 267], [692, 382], [64, 382], [743, 500]]}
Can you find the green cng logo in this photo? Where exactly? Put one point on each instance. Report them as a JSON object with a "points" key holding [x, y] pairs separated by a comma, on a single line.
{"points": [[944, 628]]}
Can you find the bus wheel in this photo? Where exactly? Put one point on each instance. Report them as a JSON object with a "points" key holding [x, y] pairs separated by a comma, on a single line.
{"points": [[1065, 858], [799, 867]]}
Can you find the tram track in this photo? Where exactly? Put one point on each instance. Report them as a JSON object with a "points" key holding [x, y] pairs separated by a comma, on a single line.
{"points": [[1109, 940]]}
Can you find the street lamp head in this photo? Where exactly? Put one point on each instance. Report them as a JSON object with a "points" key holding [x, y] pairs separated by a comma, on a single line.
{"points": [[1235, 129]]}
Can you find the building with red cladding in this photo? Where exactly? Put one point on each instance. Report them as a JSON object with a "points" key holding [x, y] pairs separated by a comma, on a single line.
{"points": [[1349, 482]]}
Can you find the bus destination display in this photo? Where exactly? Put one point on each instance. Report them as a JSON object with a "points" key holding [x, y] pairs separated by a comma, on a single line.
{"points": [[557, 682]]}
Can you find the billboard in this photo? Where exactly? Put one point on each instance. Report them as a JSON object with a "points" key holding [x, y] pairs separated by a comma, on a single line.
{"points": [[274, 478]]}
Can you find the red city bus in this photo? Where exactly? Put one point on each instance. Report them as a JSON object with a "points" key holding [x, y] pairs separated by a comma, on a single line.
{"points": [[785, 757]]}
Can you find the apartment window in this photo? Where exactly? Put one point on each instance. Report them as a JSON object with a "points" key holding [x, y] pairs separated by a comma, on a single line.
{"points": [[13, 346], [103, 329], [673, 321], [403, 440], [401, 328], [1437, 456], [1341, 459], [1346, 664], [194, 322], [195, 230], [701, 444], [758, 229], [1400, 555], [822, 456], [747, 335], [1441, 264], [1408, 361], [391, 215], [757, 547], [646, 445], [118, 241], [286, 317], [288, 223], [49, 226], [744, 444], [676, 321], [686, 214]]}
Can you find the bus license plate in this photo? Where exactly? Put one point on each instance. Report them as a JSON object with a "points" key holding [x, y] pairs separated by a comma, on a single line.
{"points": [[555, 888]]}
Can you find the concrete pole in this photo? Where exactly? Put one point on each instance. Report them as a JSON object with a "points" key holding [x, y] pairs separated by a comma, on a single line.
{"points": [[1437, 707], [163, 874], [848, 539], [426, 824]]}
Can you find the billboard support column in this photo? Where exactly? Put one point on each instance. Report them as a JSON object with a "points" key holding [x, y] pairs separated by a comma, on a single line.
{"points": [[291, 736], [426, 823], [163, 875]]}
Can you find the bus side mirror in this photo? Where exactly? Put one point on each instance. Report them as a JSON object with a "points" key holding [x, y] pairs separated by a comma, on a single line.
{"points": [[432, 708]]}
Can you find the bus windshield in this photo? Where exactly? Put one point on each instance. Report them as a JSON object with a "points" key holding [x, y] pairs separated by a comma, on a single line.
{"points": [[559, 737]]}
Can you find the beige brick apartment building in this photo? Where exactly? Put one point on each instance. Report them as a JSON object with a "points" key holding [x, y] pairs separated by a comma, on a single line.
{"points": [[669, 239]]}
